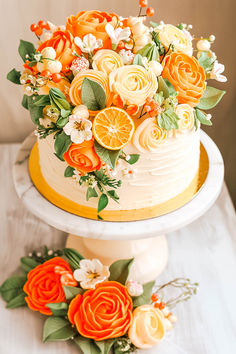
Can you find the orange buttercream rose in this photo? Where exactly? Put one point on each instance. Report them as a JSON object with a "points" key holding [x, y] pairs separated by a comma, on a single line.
{"points": [[83, 157], [93, 22], [63, 43], [187, 76], [44, 284], [102, 313], [95, 75]]}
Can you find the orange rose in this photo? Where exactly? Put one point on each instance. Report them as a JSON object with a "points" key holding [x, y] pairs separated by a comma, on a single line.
{"points": [[93, 22], [187, 76], [102, 313], [63, 43], [44, 284], [83, 157]]}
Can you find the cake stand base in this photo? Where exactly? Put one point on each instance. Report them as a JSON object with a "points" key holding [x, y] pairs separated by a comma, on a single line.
{"points": [[151, 255]]}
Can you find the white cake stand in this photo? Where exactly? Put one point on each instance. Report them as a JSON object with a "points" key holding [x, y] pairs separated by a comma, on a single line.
{"points": [[108, 241]]}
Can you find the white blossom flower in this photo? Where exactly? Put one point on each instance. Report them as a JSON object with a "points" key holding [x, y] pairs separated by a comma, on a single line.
{"points": [[216, 72], [90, 273], [129, 172], [79, 129], [77, 174], [152, 65], [118, 34], [127, 56], [89, 43], [37, 56], [134, 288]]}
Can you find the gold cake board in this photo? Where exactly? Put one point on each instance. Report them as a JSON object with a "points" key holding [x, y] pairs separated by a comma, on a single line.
{"points": [[117, 215]]}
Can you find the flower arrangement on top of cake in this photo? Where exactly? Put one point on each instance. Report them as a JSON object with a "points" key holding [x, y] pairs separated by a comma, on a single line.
{"points": [[91, 81]]}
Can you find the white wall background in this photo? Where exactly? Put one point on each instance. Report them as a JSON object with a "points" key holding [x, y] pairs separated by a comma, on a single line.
{"points": [[207, 17]]}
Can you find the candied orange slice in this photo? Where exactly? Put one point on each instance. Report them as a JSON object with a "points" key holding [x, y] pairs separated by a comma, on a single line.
{"points": [[113, 128]]}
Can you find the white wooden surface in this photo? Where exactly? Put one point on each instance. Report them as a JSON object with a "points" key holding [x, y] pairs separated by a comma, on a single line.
{"points": [[203, 251]]}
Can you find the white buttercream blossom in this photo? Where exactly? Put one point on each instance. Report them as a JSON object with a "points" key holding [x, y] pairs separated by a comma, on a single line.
{"points": [[91, 272], [79, 129], [89, 43], [118, 34], [127, 56], [216, 72], [81, 111], [37, 56], [134, 288], [204, 45], [152, 65]]}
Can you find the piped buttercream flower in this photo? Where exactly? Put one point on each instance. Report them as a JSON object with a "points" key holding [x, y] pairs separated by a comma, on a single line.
{"points": [[79, 129], [127, 56], [186, 117], [79, 64], [106, 60], [170, 34], [89, 43], [134, 288], [117, 35], [90, 273], [216, 72]]}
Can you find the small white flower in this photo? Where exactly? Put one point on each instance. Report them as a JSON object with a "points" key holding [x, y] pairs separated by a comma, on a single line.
{"points": [[38, 254], [216, 72], [204, 45], [118, 34], [208, 116], [81, 111], [76, 175], [38, 56], [79, 129], [134, 288], [129, 172], [50, 252], [89, 43], [212, 38], [91, 272], [127, 56]]}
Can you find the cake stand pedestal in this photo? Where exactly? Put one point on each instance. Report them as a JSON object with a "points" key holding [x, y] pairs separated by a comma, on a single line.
{"points": [[108, 241]]}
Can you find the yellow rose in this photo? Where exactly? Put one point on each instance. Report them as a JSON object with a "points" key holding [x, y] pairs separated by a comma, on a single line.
{"points": [[133, 83], [170, 34], [149, 136], [147, 328], [186, 115], [106, 60]]}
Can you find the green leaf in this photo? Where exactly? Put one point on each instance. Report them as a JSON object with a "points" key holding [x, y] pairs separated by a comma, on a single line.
{"points": [[105, 345], [108, 156], [145, 298], [145, 50], [69, 171], [102, 203], [36, 112], [205, 61], [42, 100], [62, 144], [159, 98], [201, 116], [138, 60], [133, 159], [26, 48], [57, 329], [61, 122], [166, 87], [154, 24], [91, 193], [65, 113], [28, 263], [12, 287], [119, 270], [211, 96], [168, 120], [112, 194], [24, 102], [73, 256], [71, 291], [86, 345], [14, 76], [93, 95], [58, 99], [59, 308], [17, 301]]}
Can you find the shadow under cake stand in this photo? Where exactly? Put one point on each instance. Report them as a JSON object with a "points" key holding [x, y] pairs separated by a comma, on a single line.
{"points": [[108, 241]]}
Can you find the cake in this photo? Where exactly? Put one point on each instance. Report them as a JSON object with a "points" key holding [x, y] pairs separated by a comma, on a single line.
{"points": [[118, 105]]}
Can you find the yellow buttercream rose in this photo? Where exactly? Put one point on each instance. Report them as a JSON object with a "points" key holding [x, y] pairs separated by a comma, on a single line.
{"points": [[186, 115], [133, 83], [170, 34], [149, 136], [147, 328], [107, 60]]}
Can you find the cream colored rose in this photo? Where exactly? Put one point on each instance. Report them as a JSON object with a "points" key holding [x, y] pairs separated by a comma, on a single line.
{"points": [[147, 328], [133, 83], [149, 136], [141, 34], [186, 115], [106, 60], [170, 34]]}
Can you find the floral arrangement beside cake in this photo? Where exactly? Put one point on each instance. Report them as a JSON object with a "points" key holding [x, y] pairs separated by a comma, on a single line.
{"points": [[118, 106], [95, 306]]}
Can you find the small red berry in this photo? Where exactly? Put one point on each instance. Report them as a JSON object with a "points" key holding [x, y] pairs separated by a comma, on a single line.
{"points": [[117, 101], [42, 24], [56, 77], [121, 45], [143, 3], [132, 109], [66, 69], [162, 305], [33, 27], [156, 305], [148, 100], [150, 11], [38, 31], [147, 108], [46, 73], [154, 297]]}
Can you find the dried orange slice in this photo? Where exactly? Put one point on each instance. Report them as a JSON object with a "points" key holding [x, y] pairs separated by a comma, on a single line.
{"points": [[113, 128]]}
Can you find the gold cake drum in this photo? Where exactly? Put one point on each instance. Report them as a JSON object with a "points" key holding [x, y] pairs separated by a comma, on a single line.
{"points": [[118, 215]]}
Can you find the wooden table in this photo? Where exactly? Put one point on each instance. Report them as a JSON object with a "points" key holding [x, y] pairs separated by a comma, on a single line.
{"points": [[204, 251]]}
